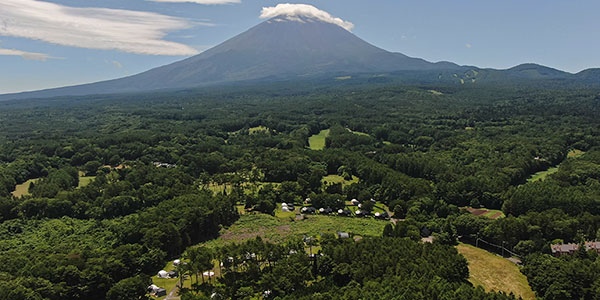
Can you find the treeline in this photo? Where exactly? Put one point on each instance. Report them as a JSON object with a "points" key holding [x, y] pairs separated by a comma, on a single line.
{"points": [[383, 268]]}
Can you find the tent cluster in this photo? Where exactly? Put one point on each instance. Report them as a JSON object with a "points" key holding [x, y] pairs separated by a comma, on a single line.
{"points": [[287, 207]]}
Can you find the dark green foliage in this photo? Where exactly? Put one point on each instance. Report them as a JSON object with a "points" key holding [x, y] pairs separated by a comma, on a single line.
{"points": [[134, 288], [424, 155]]}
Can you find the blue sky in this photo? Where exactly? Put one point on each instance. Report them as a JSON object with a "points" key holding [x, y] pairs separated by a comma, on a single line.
{"points": [[53, 43]]}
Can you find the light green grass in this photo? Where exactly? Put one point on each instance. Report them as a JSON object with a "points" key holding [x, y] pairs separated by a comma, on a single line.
{"points": [[343, 77], [23, 188], [277, 230], [575, 153], [284, 215], [317, 141], [493, 212], [257, 129], [437, 93], [167, 284], [333, 179], [85, 180], [542, 175], [357, 132], [495, 273]]}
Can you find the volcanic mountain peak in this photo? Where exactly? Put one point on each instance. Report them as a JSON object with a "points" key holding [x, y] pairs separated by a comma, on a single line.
{"points": [[302, 13]]}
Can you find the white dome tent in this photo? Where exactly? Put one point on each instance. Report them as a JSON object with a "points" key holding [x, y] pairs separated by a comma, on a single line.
{"points": [[163, 274]]}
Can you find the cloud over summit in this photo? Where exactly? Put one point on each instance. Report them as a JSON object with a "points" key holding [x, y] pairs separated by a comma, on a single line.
{"points": [[294, 11], [207, 2], [93, 28]]}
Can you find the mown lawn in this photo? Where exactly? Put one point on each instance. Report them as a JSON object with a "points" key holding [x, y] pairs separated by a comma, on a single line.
{"points": [[279, 229], [495, 273], [317, 141]]}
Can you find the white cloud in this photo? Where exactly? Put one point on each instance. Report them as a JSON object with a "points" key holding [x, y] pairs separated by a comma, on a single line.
{"points": [[94, 28], [26, 55], [199, 1], [294, 11]]}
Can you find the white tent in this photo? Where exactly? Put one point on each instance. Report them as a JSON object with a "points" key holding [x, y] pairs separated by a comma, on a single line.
{"points": [[358, 212], [321, 209], [360, 206], [354, 202], [209, 273], [163, 274], [285, 209], [284, 205], [377, 214], [153, 288], [340, 211], [176, 262]]}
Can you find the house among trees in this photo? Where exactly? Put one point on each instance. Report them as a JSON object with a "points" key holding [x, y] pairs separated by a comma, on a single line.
{"points": [[568, 249]]}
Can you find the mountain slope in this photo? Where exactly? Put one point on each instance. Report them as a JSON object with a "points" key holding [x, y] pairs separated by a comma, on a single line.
{"points": [[276, 49]]}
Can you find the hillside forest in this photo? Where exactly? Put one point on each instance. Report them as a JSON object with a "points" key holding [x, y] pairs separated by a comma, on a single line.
{"points": [[99, 193]]}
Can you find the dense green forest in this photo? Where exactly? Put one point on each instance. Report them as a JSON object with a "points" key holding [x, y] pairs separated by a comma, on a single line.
{"points": [[426, 152]]}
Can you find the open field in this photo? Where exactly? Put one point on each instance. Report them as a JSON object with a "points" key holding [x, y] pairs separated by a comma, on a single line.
{"points": [[490, 213], [85, 180], [257, 129], [495, 273], [23, 188], [542, 175], [357, 132], [317, 141], [575, 153], [333, 179], [278, 229]]}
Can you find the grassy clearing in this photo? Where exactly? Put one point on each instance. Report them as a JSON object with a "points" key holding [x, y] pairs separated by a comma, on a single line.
{"points": [[257, 129], [168, 284], [248, 187], [317, 141], [23, 188], [333, 179], [85, 180], [494, 214], [276, 229], [495, 273], [575, 153], [542, 175], [489, 213], [357, 132]]}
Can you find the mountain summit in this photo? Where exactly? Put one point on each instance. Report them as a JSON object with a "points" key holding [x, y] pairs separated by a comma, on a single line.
{"points": [[296, 41], [299, 41]]}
